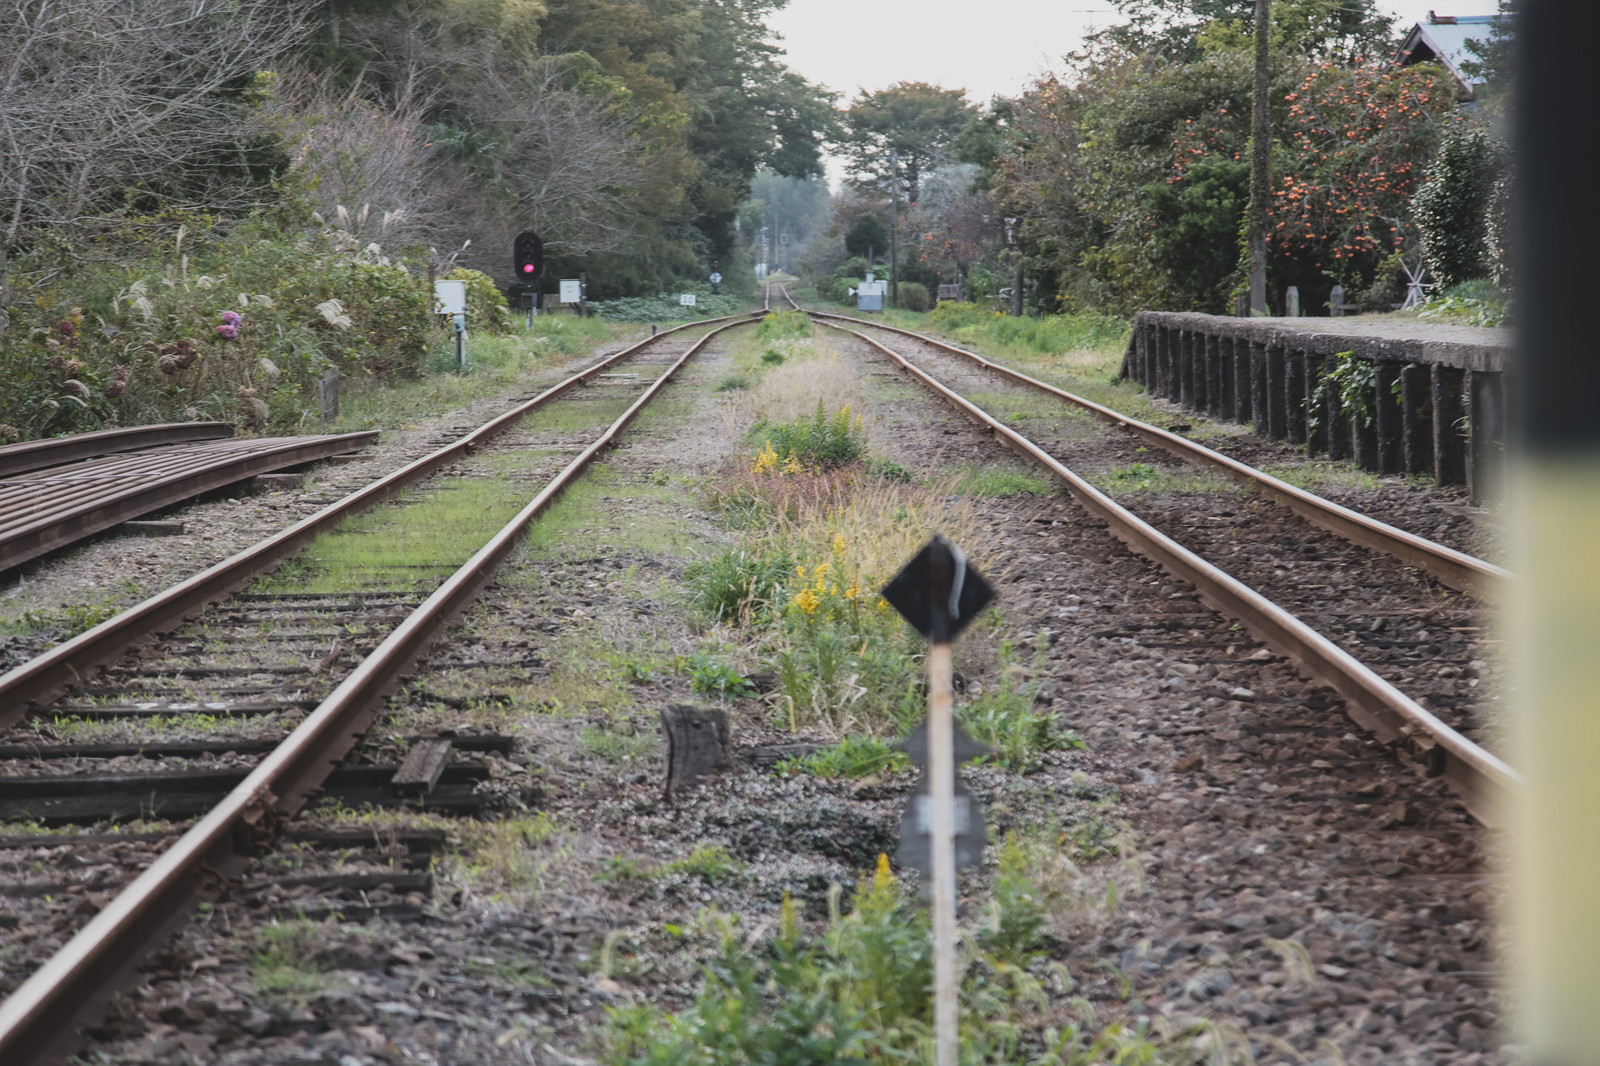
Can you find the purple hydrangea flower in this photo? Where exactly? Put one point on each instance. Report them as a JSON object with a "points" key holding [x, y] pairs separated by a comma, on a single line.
{"points": [[228, 331], [231, 318]]}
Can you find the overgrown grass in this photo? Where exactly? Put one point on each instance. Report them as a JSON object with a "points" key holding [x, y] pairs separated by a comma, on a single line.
{"points": [[290, 960], [821, 442], [1146, 478], [859, 992], [1009, 480], [1003, 717], [411, 546], [510, 859], [1049, 335], [853, 756], [493, 363]]}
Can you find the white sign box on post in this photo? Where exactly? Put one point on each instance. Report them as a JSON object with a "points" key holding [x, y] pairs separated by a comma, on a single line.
{"points": [[686, 299], [571, 291], [449, 297]]}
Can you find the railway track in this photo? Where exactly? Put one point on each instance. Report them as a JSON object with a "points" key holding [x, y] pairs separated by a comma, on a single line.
{"points": [[284, 679], [1339, 612], [59, 492]]}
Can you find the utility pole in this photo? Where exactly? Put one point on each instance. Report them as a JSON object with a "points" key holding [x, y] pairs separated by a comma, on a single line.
{"points": [[1260, 164], [894, 229]]}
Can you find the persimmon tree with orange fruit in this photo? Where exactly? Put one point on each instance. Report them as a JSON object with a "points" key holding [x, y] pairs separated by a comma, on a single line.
{"points": [[1355, 144]]}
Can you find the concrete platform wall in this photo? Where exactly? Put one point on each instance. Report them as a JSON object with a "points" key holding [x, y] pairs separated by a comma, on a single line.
{"points": [[1434, 406]]}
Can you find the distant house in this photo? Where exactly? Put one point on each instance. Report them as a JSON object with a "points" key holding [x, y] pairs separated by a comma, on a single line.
{"points": [[1443, 39]]}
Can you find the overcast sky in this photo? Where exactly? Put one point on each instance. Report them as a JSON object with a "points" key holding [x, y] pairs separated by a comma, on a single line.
{"points": [[987, 47]]}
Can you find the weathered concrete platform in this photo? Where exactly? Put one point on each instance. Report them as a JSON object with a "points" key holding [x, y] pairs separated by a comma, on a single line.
{"points": [[1436, 399]]}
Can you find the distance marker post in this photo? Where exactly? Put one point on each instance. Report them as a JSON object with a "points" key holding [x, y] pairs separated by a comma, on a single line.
{"points": [[938, 593]]}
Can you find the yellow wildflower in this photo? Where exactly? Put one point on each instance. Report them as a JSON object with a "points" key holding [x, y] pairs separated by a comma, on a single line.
{"points": [[807, 601], [792, 465], [838, 543], [765, 461], [852, 592]]}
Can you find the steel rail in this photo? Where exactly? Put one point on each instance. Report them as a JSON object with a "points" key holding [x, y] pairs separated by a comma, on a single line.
{"points": [[86, 509], [1483, 780], [1456, 569], [38, 1022], [55, 451], [49, 673]]}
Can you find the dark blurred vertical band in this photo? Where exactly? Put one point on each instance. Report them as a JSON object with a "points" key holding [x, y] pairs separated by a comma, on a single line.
{"points": [[1554, 507]]}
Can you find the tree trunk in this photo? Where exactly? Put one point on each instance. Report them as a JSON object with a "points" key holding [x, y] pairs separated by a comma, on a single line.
{"points": [[1260, 160]]}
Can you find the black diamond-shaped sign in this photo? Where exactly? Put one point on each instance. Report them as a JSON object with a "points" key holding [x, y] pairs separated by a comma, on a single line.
{"points": [[938, 592]]}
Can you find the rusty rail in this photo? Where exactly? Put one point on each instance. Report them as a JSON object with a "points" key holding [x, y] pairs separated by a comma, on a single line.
{"points": [[44, 676], [50, 508], [53, 451], [38, 1021], [1483, 780], [1454, 568]]}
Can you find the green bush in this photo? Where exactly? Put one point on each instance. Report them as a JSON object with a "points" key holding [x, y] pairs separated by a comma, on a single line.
{"points": [[821, 442], [737, 583], [780, 325], [1004, 720], [664, 307], [860, 991], [487, 310], [1454, 206], [185, 317], [914, 296]]}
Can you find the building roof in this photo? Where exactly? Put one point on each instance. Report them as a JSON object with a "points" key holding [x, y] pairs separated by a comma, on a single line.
{"points": [[1444, 38]]}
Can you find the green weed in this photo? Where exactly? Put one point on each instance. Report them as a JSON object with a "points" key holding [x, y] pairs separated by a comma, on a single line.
{"points": [[737, 583], [615, 747], [859, 993], [821, 442], [1004, 719], [853, 756], [1000, 481], [711, 676], [290, 959]]}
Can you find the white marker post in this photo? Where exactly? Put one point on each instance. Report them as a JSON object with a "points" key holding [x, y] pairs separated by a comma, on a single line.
{"points": [[939, 594], [942, 801]]}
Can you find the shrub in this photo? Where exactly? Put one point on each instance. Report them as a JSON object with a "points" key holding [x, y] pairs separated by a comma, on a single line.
{"points": [[711, 676], [820, 442], [738, 583], [664, 307], [914, 296], [487, 310], [784, 324], [136, 331], [1453, 206]]}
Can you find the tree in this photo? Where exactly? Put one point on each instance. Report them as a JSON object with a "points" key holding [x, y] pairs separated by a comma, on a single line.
{"points": [[103, 97], [1359, 139], [1182, 30], [1455, 205], [891, 137], [868, 237]]}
